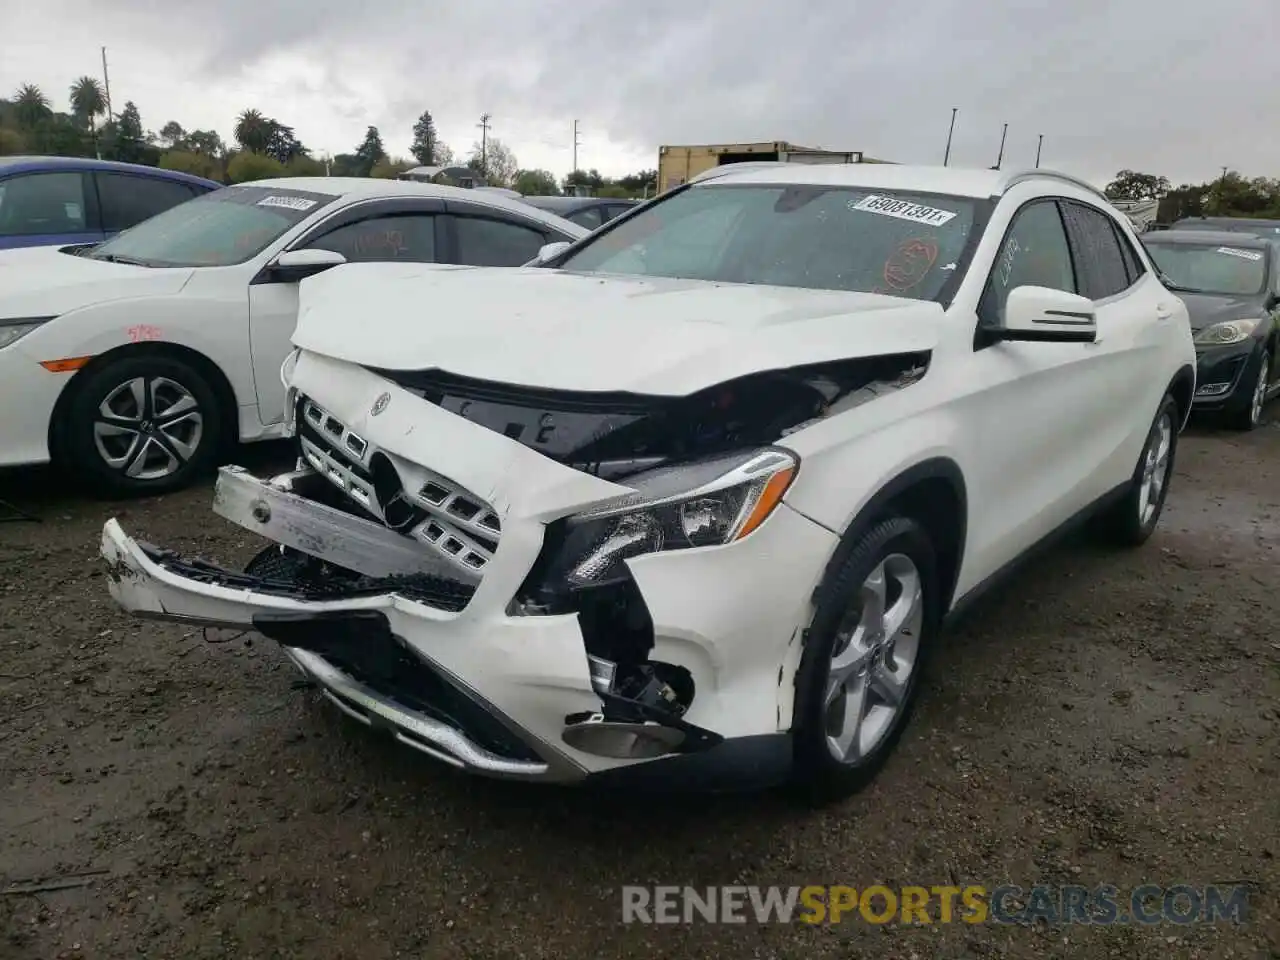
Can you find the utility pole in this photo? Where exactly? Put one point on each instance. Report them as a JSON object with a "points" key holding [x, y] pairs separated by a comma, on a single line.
{"points": [[484, 144], [1039, 146], [106, 85], [1000, 157], [946, 157], [576, 143]]}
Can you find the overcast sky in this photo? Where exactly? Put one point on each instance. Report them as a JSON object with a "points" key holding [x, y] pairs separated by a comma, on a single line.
{"points": [[1179, 89]]}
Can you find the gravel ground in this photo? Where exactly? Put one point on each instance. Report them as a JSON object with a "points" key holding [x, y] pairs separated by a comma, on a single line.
{"points": [[1107, 718]]}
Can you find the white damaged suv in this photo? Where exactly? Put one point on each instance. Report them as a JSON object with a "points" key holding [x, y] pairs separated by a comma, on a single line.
{"points": [[689, 501]]}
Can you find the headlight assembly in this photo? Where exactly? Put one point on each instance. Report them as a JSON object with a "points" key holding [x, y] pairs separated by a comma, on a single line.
{"points": [[1226, 333], [701, 504], [11, 331]]}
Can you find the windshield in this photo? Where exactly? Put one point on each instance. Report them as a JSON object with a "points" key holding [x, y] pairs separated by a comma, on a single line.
{"points": [[216, 230], [1211, 268], [800, 235]]}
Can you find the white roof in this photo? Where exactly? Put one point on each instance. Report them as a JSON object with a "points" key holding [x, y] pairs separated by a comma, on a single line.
{"points": [[352, 189], [957, 181]]}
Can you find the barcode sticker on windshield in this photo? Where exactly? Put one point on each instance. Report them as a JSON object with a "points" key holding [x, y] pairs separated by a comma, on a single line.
{"points": [[1242, 254], [903, 210], [290, 203]]}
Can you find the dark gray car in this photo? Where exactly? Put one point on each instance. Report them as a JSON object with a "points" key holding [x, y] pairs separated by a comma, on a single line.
{"points": [[1230, 283], [589, 212]]}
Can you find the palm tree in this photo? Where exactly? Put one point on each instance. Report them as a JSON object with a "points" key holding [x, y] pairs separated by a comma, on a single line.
{"points": [[31, 106], [87, 101], [253, 131]]}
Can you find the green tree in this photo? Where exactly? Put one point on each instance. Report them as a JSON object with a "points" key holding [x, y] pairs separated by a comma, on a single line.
{"points": [[128, 141], [424, 140], [636, 183], [253, 131], [206, 142], [31, 107], [495, 161], [11, 143], [370, 153], [1131, 185], [303, 165], [390, 169], [87, 104], [173, 135], [247, 165], [187, 161], [536, 183]]}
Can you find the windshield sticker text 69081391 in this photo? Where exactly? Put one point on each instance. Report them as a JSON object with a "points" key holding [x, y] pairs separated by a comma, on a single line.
{"points": [[902, 210], [289, 203], [1242, 254]]}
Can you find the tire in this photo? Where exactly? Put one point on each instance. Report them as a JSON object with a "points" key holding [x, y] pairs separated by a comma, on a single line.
{"points": [[1249, 414], [1131, 521], [897, 546], [142, 425]]}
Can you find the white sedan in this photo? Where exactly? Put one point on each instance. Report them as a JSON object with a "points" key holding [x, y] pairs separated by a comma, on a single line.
{"points": [[740, 455], [136, 362]]}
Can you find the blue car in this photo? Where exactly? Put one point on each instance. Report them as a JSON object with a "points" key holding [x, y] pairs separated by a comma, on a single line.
{"points": [[67, 200]]}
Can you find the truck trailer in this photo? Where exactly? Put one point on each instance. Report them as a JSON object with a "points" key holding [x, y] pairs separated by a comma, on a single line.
{"points": [[677, 165]]}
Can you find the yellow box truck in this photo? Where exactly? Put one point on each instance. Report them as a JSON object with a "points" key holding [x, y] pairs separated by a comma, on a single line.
{"points": [[676, 165]]}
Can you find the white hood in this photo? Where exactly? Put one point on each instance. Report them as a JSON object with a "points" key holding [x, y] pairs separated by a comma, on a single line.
{"points": [[41, 281], [546, 328]]}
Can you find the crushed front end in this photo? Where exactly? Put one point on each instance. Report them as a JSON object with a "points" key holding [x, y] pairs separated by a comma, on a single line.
{"points": [[526, 583]]}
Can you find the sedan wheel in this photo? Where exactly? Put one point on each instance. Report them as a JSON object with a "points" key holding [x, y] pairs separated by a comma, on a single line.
{"points": [[148, 428], [141, 425], [873, 659]]}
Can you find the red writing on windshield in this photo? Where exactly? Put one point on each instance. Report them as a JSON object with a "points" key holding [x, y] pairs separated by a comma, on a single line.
{"points": [[910, 262]]}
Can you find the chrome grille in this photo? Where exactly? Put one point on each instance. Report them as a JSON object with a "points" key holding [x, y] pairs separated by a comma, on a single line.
{"points": [[458, 525]]}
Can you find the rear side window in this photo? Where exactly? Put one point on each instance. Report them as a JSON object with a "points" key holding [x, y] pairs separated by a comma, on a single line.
{"points": [[590, 218], [496, 243], [32, 204], [128, 200], [1100, 259], [1133, 267]]}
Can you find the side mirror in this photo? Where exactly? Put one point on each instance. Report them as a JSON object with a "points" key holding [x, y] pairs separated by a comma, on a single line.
{"points": [[294, 265], [1044, 315], [552, 250]]}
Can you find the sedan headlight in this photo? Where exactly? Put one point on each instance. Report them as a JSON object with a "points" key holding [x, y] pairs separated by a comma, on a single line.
{"points": [[11, 331], [1225, 333], [702, 504]]}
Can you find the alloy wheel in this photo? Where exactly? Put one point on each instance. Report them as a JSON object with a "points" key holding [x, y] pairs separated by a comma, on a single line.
{"points": [[1259, 391], [1155, 468], [873, 658], [147, 428]]}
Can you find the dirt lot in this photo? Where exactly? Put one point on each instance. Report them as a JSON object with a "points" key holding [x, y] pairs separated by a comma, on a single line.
{"points": [[1108, 718]]}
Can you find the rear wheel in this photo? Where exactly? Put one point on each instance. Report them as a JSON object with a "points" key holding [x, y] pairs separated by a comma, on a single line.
{"points": [[1133, 519], [866, 647], [142, 425]]}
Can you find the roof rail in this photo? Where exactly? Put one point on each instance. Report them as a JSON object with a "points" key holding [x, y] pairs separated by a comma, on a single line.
{"points": [[727, 168], [1016, 177]]}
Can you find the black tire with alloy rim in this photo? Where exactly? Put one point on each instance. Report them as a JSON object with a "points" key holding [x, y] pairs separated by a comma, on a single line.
{"points": [[1134, 517], [874, 623], [142, 425], [1254, 394]]}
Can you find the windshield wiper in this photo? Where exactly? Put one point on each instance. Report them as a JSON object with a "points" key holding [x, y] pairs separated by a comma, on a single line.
{"points": [[116, 258]]}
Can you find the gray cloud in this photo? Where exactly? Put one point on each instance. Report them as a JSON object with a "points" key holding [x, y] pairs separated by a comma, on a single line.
{"points": [[1175, 89]]}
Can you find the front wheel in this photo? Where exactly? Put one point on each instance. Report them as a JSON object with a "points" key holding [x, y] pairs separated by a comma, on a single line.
{"points": [[1249, 415], [864, 653], [142, 425]]}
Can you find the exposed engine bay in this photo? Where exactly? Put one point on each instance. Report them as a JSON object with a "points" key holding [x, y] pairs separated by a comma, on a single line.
{"points": [[614, 436]]}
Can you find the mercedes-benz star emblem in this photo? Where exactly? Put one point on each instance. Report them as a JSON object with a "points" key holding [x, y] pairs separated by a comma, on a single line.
{"points": [[380, 404]]}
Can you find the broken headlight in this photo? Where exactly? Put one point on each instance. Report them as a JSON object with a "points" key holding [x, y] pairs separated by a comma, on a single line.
{"points": [[702, 504]]}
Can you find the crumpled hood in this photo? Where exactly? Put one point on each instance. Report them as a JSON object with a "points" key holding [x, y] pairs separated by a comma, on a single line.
{"points": [[546, 328], [1207, 309], [42, 282]]}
